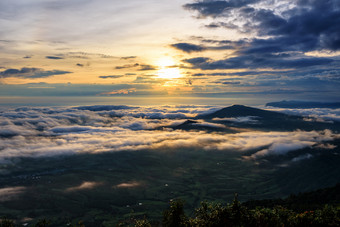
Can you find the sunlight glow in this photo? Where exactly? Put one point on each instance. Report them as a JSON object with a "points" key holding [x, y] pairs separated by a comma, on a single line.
{"points": [[167, 69]]}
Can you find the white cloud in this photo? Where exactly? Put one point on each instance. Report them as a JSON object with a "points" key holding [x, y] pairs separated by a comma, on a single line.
{"points": [[283, 148], [132, 184], [319, 114], [302, 157], [209, 124], [10, 193], [246, 119], [38, 132], [84, 186]]}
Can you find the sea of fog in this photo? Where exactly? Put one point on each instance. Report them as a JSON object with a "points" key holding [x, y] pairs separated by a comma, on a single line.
{"points": [[35, 131], [101, 158]]}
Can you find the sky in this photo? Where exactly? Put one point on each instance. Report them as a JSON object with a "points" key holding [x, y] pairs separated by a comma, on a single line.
{"points": [[182, 48]]}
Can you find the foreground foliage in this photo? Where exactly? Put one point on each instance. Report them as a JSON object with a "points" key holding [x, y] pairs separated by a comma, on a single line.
{"points": [[236, 214], [230, 215]]}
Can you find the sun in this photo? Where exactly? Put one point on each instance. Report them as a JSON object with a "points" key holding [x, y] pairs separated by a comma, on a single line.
{"points": [[168, 69], [169, 73]]}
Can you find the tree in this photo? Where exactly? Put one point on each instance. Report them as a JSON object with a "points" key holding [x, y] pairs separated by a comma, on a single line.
{"points": [[174, 216]]}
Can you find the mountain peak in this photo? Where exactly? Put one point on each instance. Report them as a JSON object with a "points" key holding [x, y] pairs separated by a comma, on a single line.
{"points": [[240, 111]]}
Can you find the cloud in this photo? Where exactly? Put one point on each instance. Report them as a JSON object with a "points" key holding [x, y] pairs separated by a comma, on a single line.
{"points": [[120, 92], [65, 89], [147, 67], [86, 55], [253, 61], [187, 47], [282, 148], [140, 67], [74, 129], [305, 25], [227, 82], [111, 77], [54, 57], [209, 74], [209, 124], [87, 185], [246, 119], [298, 140], [197, 61], [10, 130], [281, 33], [132, 184], [217, 8], [47, 132], [302, 157], [149, 79], [313, 114], [30, 73], [105, 107], [10, 193], [128, 57], [127, 66]]}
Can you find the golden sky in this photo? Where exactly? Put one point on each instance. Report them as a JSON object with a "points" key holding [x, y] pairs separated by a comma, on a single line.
{"points": [[169, 47]]}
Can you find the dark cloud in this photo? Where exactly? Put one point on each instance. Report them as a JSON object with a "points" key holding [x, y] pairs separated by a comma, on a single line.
{"points": [[30, 73], [111, 76], [216, 8], [257, 61], [282, 35], [247, 73], [227, 82], [141, 67], [188, 47], [147, 67], [210, 74], [315, 24], [54, 57], [197, 61], [221, 25], [224, 42], [127, 66], [87, 55], [80, 65], [148, 79], [128, 57]]}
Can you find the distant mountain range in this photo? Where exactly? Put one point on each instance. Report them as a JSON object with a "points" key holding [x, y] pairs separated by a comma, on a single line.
{"points": [[304, 104], [229, 119], [241, 111]]}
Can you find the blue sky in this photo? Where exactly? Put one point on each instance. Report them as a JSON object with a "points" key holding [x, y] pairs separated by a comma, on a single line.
{"points": [[204, 48]]}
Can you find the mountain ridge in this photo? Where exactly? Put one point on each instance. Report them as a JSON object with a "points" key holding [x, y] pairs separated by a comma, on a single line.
{"points": [[240, 111]]}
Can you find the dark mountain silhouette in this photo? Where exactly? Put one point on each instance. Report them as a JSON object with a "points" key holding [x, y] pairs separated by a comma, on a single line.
{"points": [[242, 111], [237, 117], [265, 119]]}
